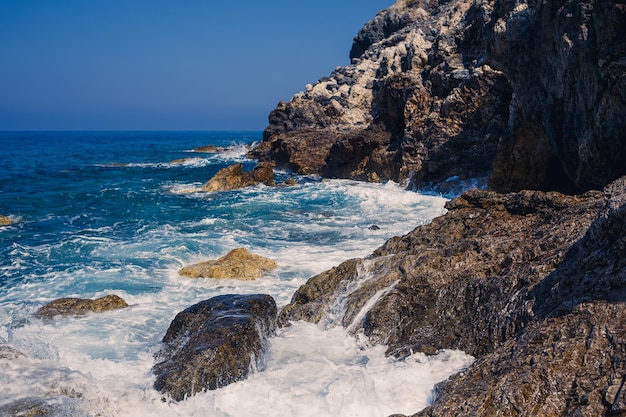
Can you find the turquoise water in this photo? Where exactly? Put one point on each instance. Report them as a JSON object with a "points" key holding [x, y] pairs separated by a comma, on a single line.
{"points": [[114, 212]]}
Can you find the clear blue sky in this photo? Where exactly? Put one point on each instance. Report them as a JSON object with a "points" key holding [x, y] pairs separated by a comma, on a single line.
{"points": [[166, 65]]}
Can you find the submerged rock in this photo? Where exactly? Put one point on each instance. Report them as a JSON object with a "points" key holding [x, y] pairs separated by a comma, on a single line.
{"points": [[80, 306], [214, 343], [9, 352], [236, 264], [28, 407], [208, 149], [533, 284], [4, 220], [233, 177]]}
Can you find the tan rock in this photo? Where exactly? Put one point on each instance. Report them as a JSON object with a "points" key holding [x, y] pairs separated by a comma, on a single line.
{"points": [[80, 306], [208, 149], [185, 160], [233, 177], [238, 264], [4, 221]]}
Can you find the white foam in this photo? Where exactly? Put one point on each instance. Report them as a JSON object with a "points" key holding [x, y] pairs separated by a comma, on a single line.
{"points": [[99, 364]]}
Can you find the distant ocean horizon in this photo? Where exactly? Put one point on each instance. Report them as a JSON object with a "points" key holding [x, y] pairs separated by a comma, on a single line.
{"points": [[120, 212]]}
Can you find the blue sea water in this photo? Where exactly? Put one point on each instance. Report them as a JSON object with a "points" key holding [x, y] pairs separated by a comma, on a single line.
{"points": [[97, 213]]}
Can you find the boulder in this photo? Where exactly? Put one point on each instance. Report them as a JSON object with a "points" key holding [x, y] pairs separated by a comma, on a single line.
{"points": [[236, 264], [80, 306], [233, 177], [214, 343], [4, 220], [533, 284]]}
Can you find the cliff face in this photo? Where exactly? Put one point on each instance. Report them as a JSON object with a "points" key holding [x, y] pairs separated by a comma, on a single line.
{"points": [[418, 101], [531, 93]]}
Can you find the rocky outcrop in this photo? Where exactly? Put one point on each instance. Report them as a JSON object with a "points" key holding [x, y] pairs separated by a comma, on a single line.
{"points": [[533, 284], [80, 306], [4, 220], [214, 343], [233, 177], [208, 149], [531, 93], [418, 101], [236, 264]]}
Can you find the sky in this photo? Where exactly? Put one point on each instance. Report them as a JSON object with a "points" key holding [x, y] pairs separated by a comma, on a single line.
{"points": [[165, 64]]}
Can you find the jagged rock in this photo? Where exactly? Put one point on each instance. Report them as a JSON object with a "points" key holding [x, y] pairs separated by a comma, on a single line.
{"points": [[80, 306], [290, 181], [4, 220], [417, 101], [214, 343], [237, 264], [233, 177], [533, 284], [439, 89]]}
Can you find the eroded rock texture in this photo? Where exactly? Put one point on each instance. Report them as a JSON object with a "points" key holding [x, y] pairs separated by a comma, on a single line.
{"points": [[214, 343], [80, 306], [233, 177], [442, 89], [533, 284]]}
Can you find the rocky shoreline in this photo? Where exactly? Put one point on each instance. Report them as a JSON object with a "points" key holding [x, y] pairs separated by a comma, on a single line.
{"points": [[532, 283]]}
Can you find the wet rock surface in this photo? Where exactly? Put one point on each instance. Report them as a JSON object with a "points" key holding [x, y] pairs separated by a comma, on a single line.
{"points": [[80, 306], [236, 264], [4, 220], [533, 284], [233, 177], [214, 343]]}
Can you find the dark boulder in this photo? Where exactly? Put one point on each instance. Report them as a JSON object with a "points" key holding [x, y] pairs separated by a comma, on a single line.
{"points": [[214, 343]]}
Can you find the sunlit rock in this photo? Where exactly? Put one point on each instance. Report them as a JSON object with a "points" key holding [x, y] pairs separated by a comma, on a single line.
{"points": [[80, 306], [237, 264], [233, 177]]}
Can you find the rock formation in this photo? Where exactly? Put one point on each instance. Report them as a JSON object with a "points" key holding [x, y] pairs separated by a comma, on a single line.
{"points": [[438, 89], [237, 264], [214, 343], [4, 220], [208, 149], [233, 177], [80, 306], [533, 284]]}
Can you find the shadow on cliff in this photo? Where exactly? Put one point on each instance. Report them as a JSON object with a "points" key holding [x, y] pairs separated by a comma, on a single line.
{"points": [[594, 269]]}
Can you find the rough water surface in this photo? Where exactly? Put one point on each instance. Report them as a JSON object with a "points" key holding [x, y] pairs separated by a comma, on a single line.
{"points": [[108, 212]]}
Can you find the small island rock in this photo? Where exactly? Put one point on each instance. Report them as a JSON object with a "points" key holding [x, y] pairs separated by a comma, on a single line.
{"points": [[208, 149], [233, 177], [80, 306], [213, 343], [238, 263], [5, 221]]}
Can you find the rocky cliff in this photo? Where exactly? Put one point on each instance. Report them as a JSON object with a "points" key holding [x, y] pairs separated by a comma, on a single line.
{"points": [[533, 284], [531, 93]]}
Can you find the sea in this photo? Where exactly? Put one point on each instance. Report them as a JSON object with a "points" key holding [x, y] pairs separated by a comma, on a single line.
{"points": [[98, 213]]}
